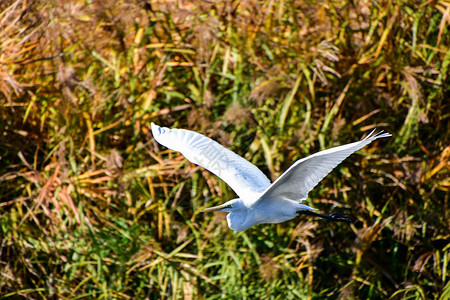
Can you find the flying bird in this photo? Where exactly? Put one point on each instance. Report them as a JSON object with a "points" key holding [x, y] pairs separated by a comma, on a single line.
{"points": [[259, 200]]}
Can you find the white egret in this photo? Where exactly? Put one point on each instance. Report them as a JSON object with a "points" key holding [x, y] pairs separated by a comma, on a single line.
{"points": [[260, 201]]}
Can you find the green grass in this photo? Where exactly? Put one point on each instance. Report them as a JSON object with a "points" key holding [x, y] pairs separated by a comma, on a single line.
{"points": [[92, 207]]}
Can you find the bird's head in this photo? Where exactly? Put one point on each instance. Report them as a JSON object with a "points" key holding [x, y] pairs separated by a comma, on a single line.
{"points": [[228, 206]]}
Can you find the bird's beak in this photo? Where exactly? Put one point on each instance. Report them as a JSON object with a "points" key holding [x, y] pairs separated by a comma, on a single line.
{"points": [[214, 208]]}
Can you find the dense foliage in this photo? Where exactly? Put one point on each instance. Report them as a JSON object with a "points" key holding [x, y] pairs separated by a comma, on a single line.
{"points": [[92, 206]]}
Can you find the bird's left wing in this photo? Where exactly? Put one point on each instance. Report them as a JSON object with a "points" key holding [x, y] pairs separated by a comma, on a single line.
{"points": [[296, 182], [242, 176]]}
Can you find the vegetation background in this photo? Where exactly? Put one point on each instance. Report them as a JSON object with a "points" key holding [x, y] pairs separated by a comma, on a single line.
{"points": [[93, 207]]}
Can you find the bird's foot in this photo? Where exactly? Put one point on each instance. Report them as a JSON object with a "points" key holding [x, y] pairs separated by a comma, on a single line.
{"points": [[338, 217]]}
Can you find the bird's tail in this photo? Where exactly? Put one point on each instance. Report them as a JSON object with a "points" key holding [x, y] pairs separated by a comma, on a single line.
{"points": [[305, 207]]}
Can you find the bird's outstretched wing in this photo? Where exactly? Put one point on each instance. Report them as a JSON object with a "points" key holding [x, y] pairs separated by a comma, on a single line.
{"points": [[242, 176], [296, 182]]}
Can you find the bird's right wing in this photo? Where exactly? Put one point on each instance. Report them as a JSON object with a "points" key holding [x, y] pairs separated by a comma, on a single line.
{"points": [[242, 176], [296, 182]]}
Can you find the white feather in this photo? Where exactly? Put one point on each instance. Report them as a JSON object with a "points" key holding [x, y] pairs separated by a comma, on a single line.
{"points": [[260, 201], [242, 176], [297, 181]]}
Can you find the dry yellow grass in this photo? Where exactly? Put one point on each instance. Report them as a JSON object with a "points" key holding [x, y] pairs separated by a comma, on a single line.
{"points": [[92, 207]]}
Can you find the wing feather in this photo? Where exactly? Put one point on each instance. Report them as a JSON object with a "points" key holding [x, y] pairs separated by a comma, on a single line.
{"points": [[297, 181], [242, 176]]}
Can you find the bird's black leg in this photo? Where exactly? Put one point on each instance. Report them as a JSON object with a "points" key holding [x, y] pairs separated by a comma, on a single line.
{"points": [[337, 217]]}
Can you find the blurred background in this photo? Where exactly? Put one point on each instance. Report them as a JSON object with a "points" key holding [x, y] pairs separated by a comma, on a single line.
{"points": [[92, 207]]}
